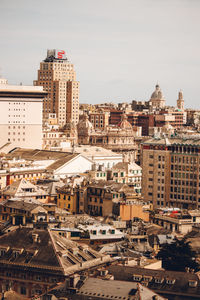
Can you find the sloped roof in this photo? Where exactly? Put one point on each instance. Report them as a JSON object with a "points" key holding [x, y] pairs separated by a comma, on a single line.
{"points": [[36, 154], [20, 188], [111, 185], [18, 204], [109, 289], [62, 161], [125, 166], [180, 279], [44, 249]]}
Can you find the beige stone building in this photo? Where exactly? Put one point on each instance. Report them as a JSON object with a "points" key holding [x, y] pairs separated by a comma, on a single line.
{"points": [[99, 119], [58, 78], [61, 138], [119, 138], [171, 173]]}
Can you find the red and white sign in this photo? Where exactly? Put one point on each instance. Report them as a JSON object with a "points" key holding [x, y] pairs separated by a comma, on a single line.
{"points": [[60, 54]]}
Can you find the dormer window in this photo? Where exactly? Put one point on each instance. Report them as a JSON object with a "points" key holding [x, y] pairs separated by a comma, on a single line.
{"points": [[192, 283], [147, 278], [137, 277], [2, 252], [159, 280], [170, 281], [16, 254]]}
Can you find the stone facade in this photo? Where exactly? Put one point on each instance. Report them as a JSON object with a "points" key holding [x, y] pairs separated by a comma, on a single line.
{"points": [[120, 138]]}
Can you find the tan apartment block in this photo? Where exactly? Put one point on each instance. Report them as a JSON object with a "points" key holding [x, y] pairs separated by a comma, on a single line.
{"points": [[171, 172]]}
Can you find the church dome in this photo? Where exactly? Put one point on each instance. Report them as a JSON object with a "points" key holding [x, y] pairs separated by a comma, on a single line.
{"points": [[124, 124], [157, 94], [84, 125]]}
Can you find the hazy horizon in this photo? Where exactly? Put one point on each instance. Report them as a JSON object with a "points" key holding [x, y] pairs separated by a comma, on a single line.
{"points": [[120, 50]]}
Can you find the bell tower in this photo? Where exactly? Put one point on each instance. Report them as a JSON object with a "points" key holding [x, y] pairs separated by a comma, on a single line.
{"points": [[180, 101]]}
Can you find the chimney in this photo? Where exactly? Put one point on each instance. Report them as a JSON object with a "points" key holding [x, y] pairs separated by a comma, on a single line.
{"points": [[35, 237]]}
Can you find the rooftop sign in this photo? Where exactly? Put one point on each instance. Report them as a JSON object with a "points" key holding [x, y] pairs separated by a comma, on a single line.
{"points": [[59, 54]]}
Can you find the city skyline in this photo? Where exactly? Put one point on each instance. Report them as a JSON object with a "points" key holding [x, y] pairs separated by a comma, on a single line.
{"points": [[120, 51]]}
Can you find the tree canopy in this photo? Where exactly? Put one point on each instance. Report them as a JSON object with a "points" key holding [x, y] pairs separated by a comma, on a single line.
{"points": [[178, 256]]}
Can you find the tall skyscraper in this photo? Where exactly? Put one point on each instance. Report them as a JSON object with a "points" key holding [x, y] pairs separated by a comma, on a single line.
{"points": [[58, 78]]}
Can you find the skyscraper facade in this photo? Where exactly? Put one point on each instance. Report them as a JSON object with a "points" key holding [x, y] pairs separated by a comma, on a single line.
{"points": [[58, 78]]}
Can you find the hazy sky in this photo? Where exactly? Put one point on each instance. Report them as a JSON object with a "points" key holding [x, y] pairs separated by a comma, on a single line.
{"points": [[120, 49]]}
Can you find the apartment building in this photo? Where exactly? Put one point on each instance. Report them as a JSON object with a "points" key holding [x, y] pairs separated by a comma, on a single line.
{"points": [[129, 173], [171, 172], [67, 199], [99, 120], [58, 78]]}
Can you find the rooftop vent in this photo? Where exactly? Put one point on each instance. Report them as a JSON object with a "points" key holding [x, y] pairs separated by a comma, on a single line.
{"points": [[35, 237]]}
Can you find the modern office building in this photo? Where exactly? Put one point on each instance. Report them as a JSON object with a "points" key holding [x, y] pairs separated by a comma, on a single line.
{"points": [[21, 116], [171, 172], [58, 78]]}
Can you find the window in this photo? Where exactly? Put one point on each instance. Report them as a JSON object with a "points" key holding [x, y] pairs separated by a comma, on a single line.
{"points": [[137, 277], [38, 278], [159, 280], [23, 290]]}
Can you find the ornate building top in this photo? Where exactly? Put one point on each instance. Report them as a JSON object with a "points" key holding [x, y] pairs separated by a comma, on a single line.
{"points": [[124, 124], [157, 94], [157, 99], [180, 101]]}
